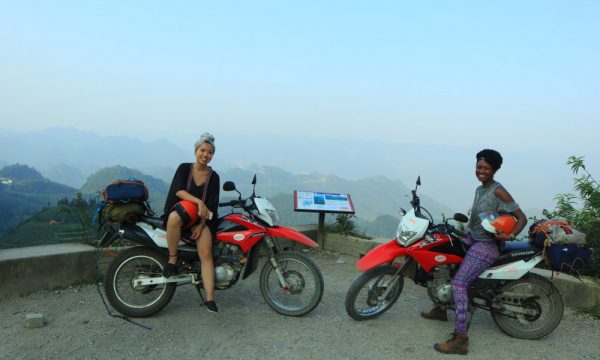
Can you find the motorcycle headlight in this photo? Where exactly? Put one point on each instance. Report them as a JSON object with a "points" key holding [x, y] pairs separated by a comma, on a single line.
{"points": [[402, 237], [266, 210], [272, 213]]}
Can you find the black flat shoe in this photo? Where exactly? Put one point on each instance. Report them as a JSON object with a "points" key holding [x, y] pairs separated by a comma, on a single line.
{"points": [[169, 270], [211, 306]]}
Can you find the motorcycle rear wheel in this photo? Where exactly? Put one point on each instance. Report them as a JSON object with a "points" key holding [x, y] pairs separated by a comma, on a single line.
{"points": [[363, 298], [549, 307], [304, 288], [128, 298]]}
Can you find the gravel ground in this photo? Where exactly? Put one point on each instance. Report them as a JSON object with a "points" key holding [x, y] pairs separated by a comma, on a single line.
{"points": [[78, 327]]}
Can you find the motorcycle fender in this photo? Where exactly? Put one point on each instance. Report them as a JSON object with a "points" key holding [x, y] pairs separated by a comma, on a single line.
{"points": [[511, 271], [108, 238], [382, 254], [291, 234], [253, 258]]}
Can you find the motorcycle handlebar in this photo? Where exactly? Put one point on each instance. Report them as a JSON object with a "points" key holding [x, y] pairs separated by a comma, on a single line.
{"points": [[229, 203], [459, 233], [456, 232]]}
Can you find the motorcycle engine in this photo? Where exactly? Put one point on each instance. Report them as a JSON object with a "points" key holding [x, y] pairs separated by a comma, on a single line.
{"points": [[227, 264], [440, 286]]}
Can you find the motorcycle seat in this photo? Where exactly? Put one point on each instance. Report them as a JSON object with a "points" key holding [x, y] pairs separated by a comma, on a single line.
{"points": [[514, 251]]}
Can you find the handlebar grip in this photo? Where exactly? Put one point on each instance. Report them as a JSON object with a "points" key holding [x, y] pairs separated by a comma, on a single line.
{"points": [[459, 233], [228, 203]]}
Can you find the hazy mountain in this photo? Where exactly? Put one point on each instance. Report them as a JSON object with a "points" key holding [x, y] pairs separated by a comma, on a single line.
{"points": [[371, 197], [165, 173], [19, 173], [68, 148], [66, 174], [447, 172], [382, 226]]}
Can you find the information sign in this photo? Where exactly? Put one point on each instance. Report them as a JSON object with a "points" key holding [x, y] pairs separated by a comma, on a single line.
{"points": [[322, 202]]}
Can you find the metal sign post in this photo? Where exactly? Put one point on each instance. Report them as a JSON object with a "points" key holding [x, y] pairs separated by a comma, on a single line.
{"points": [[322, 203]]}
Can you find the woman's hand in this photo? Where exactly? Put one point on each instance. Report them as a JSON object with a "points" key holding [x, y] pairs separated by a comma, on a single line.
{"points": [[197, 230], [202, 210], [504, 237]]}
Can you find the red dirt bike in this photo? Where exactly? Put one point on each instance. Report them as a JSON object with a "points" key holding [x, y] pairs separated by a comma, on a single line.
{"points": [[523, 304], [290, 282]]}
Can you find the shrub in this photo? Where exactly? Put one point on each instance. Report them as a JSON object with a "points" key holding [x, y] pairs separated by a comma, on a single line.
{"points": [[586, 218], [344, 224]]}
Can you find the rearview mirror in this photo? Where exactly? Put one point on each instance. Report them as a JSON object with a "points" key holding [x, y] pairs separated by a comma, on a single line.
{"points": [[460, 217], [229, 186]]}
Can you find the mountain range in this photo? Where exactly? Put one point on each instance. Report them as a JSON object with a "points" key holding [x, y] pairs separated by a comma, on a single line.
{"points": [[376, 199], [71, 157], [23, 192]]}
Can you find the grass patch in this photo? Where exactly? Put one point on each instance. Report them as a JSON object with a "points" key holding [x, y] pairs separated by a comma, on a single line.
{"points": [[594, 311]]}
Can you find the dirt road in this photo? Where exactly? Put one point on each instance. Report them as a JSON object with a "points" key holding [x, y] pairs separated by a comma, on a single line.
{"points": [[78, 327]]}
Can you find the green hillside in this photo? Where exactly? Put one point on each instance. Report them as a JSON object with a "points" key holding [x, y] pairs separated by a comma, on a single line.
{"points": [[23, 192], [48, 226], [17, 172]]}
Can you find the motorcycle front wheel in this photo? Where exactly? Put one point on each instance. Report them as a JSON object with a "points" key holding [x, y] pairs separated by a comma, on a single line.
{"points": [[120, 283], [364, 298], [544, 302], [302, 287]]}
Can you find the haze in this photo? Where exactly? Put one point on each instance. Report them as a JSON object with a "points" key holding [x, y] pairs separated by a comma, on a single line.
{"points": [[354, 89]]}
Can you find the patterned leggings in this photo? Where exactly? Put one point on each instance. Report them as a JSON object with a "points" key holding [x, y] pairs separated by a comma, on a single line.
{"points": [[479, 257]]}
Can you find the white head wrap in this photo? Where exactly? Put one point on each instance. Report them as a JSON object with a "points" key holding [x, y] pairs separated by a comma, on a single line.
{"points": [[205, 138]]}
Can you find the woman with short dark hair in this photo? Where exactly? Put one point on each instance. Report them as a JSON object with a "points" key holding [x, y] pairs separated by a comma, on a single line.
{"points": [[483, 247]]}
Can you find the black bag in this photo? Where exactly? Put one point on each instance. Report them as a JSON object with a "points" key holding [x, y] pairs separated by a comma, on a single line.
{"points": [[125, 191]]}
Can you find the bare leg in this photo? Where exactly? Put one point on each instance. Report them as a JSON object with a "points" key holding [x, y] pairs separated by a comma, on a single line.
{"points": [[174, 224], [207, 267]]}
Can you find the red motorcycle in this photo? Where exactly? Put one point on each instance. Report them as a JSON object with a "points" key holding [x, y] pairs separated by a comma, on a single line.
{"points": [[290, 282], [523, 304]]}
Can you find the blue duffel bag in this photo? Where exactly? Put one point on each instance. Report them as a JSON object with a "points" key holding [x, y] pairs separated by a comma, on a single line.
{"points": [[126, 191], [568, 258]]}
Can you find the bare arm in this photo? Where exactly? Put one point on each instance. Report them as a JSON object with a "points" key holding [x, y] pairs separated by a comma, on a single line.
{"points": [[503, 195]]}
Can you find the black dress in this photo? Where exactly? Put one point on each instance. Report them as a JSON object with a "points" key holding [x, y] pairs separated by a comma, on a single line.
{"points": [[180, 182]]}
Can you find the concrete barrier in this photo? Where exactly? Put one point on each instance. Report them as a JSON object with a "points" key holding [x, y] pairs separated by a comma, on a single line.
{"points": [[349, 245], [29, 269]]}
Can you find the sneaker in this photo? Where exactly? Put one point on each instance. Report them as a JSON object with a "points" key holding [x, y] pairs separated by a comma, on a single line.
{"points": [[211, 306]]}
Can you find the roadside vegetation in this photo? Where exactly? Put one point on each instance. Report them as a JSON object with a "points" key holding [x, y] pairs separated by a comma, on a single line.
{"points": [[67, 222], [583, 211], [345, 224]]}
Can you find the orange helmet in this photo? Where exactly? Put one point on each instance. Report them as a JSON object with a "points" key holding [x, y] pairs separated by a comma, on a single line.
{"points": [[498, 222]]}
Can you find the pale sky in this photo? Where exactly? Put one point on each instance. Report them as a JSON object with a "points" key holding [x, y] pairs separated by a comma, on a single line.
{"points": [[520, 76]]}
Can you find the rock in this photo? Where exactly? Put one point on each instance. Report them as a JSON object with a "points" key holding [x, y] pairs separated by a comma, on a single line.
{"points": [[34, 320], [341, 260]]}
